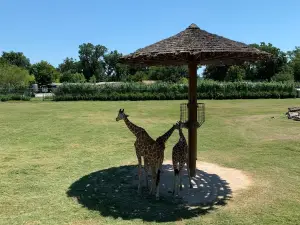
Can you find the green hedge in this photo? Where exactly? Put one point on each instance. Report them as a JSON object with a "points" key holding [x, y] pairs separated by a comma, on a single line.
{"points": [[8, 93], [14, 97], [166, 91]]}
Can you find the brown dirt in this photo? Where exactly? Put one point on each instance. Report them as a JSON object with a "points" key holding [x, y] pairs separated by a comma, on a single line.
{"points": [[211, 185]]}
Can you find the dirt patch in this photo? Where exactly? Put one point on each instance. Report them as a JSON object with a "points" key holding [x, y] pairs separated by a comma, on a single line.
{"points": [[236, 179], [212, 183]]}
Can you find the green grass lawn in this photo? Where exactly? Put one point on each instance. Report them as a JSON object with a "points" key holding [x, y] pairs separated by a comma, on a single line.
{"points": [[45, 147]]}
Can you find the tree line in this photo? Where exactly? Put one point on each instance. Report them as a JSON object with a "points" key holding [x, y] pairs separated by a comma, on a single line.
{"points": [[96, 64], [282, 66]]}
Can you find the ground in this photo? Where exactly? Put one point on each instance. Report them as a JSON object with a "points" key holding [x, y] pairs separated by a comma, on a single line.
{"points": [[48, 150]]}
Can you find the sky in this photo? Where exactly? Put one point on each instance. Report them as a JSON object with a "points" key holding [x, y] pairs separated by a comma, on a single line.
{"points": [[52, 30]]}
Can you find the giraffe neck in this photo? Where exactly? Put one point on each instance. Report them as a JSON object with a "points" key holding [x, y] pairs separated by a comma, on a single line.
{"points": [[182, 137], [132, 127], [165, 137]]}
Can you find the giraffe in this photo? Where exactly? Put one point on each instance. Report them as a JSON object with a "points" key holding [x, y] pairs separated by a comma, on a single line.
{"points": [[142, 139], [179, 158], [155, 157], [151, 150]]}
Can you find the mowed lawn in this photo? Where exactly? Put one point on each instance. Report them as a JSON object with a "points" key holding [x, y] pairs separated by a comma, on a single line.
{"points": [[47, 146]]}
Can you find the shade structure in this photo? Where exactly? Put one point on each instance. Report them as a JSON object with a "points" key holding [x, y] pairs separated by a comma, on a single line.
{"points": [[194, 44], [193, 47]]}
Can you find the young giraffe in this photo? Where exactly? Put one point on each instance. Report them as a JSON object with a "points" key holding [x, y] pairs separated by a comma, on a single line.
{"points": [[152, 151], [142, 138], [180, 157], [155, 158]]}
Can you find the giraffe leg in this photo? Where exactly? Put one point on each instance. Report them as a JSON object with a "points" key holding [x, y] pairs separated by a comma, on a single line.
{"points": [[175, 184], [153, 182], [174, 181], [175, 189], [180, 180], [146, 172], [180, 175], [157, 182], [140, 174]]}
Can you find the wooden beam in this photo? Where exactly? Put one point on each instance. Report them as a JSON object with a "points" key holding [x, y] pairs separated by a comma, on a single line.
{"points": [[192, 120]]}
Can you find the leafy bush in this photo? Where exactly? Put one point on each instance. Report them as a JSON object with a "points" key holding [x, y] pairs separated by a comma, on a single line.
{"points": [[93, 79], [183, 80], [13, 76], [206, 89], [283, 77], [139, 76], [72, 77], [286, 74], [15, 97]]}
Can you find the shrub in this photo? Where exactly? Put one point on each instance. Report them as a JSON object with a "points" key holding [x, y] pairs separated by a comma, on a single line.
{"points": [[72, 77], [169, 91], [283, 77], [93, 79], [13, 76], [15, 97], [183, 80]]}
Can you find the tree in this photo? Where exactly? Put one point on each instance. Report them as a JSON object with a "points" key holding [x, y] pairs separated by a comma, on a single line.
{"points": [[11, 75], [264, 70], [78, 78], [72, 77], [131, 72], [215, 72], [235, 73], [44, 73], [114, 71], [91, 60], [283, 76], [69, 65], [294, 62], [16, 58], [261, 70], [167, 73]]}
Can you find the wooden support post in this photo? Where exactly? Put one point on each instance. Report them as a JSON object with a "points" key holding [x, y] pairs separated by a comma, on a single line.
{"points": [[192, 120]]}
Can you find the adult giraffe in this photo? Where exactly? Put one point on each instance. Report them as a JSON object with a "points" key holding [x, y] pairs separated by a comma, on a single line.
{"points": [[151, 150]]}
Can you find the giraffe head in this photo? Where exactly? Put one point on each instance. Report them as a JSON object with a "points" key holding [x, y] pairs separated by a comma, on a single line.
{"points": [[121, 115], [180, 125]]}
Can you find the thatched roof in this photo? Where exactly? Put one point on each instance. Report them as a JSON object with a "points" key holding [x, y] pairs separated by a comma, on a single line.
{"points": [[197, 45]]}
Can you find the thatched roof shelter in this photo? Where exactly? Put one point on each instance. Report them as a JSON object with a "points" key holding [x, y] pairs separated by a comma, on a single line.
{"points": [[193, 47], [193, 43]]}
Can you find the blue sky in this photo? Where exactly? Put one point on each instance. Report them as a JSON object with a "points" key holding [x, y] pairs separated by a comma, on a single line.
{"points": [[53, 29]]}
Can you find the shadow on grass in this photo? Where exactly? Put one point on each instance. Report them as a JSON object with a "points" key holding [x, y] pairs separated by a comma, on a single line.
{"points": [[113, 192]]}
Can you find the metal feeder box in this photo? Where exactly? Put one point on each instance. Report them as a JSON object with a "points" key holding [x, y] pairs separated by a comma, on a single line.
{"points": [[200, 114]]}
